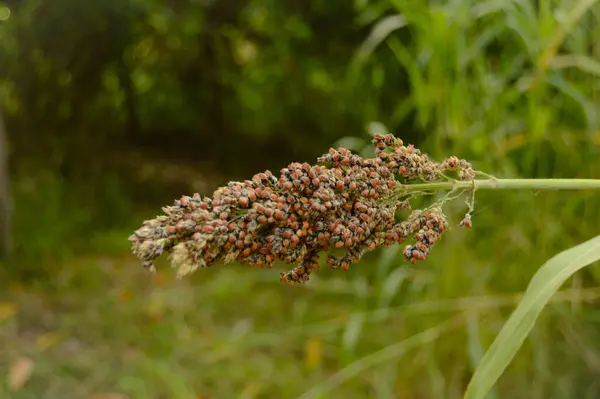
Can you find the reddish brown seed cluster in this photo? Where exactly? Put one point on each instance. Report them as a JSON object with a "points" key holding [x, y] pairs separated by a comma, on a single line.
{"points": [[429, 226], [464, 168], [466, 222], [307, 209]]}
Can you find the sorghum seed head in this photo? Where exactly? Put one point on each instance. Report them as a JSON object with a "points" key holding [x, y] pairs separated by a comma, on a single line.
{"points": [[341, 202]]}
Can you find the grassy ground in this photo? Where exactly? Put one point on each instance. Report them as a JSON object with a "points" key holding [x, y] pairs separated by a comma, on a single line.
{"points": [[103, 328]]}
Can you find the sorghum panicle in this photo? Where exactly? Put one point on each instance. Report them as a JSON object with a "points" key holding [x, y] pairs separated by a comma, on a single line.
{"points": [[307, 209]]}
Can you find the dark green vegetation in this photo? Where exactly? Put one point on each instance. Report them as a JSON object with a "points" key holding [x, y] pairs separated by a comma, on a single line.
{"points": [[114, 108]]}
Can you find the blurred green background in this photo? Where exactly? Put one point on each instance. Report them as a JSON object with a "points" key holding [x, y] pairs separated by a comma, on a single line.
{"points": [[113, 108]]}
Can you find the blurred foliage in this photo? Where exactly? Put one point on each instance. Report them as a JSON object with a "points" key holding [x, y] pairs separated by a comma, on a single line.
{"points": [[116, 107]]}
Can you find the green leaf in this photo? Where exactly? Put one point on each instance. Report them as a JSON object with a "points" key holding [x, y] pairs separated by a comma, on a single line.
{"points": [[417, 79], [484, 8], [380, 32], [574, 92], [543, 285], [520, 18], [580, 61], [481, 42], [567, 20]]}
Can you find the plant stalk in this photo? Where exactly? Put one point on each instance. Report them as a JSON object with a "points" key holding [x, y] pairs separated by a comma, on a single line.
{"points": [[505, 184]]}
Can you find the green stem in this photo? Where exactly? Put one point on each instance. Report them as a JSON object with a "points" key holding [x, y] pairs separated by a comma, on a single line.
{"points": [[506, 184]]}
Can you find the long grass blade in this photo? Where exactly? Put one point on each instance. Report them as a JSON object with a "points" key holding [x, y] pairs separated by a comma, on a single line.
{"points": [[542, 287], [380, 32], [579, 61]]}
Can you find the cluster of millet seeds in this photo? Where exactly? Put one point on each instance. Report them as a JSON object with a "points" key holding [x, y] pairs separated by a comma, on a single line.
{"points": [[339, 203]]}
